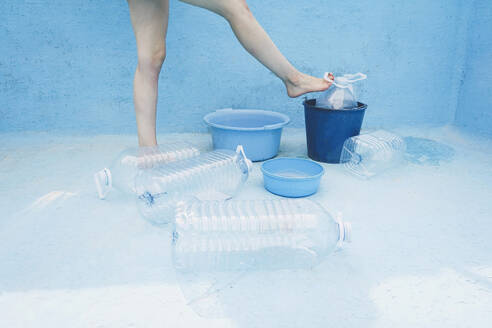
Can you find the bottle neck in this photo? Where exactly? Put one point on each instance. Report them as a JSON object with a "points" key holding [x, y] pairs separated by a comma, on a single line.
{"points": [[344, 233]]}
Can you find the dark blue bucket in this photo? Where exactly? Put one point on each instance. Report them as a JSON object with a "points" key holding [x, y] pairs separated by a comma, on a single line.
{"points": [[327, 129]]}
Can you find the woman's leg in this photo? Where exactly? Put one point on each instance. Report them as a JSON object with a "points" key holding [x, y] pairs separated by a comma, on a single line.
{"points": [[257, 42], [149, 19]]}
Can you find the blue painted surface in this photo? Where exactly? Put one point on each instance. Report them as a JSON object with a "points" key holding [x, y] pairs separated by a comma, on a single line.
{"points": [[68, 66], [475, 103]]}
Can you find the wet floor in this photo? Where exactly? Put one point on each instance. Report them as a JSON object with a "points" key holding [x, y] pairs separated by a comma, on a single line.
{"points": [[421, 254]]}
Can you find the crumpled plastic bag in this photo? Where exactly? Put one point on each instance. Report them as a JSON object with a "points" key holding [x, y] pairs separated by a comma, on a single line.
{"points": [[341, 93]]}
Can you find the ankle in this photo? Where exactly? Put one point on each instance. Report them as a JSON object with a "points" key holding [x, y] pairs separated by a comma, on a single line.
{"points": [[146, 141], [293, 78]]}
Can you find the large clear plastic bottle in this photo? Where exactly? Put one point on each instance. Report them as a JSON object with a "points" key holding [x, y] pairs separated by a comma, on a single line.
{"points": [[121, 173], [258, 234], [221, 172], [341, 93], [372, 153]]}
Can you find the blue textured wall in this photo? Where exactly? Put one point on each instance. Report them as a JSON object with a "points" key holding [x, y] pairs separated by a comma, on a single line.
{"points": [[68, 65], [475, 102]]}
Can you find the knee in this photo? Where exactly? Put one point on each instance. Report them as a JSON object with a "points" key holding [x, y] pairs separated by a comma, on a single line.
{"points": [[150, 63], [235, 9]]}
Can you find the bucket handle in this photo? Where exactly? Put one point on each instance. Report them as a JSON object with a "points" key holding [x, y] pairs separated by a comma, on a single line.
{"points": [[351, 78]]}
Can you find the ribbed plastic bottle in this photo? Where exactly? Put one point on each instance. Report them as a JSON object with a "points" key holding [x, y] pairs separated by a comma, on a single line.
{"points": [[260, 234], [220, 171], [372, 153], [121, 173]]}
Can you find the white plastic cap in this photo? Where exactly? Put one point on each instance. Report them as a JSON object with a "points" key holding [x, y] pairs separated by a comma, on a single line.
{"points": [[103, 182]]}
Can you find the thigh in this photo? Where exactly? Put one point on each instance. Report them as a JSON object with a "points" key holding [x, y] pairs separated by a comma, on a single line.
{"points": [[149, 20], [221, 7]]}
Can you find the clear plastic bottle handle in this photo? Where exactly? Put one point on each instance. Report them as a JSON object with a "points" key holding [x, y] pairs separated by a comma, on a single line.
{"points": [[104, 182], [240, 152], [346, 80]]}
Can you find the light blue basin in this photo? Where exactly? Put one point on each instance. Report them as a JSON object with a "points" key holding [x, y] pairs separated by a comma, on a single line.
{"points": [[258, 131], [292, 177]]}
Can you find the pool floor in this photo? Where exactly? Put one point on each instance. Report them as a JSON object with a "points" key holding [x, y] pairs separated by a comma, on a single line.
{"points": [[421, 254]]}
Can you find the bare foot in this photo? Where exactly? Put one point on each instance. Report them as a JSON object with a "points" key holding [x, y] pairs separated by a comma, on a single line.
{"points": [[303, 83]]}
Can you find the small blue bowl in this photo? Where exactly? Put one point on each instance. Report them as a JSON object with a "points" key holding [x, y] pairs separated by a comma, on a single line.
{"points": [[292, 177], [258, 131]]}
